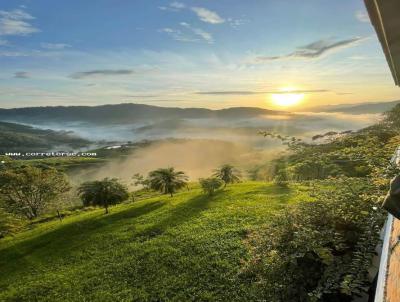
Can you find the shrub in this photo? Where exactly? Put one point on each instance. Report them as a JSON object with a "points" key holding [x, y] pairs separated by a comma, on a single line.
{"points": [[210, 185], [321, 250]]}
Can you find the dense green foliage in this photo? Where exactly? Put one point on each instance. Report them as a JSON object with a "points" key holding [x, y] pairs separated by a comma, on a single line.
{"points": [[321, 250], [29, 190], [102, 193], [167, 180]]}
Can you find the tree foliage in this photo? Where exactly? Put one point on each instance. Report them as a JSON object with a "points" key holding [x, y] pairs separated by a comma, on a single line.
{"points": [[320, 250], [228, 174], [27, 191], [392, 117], [167, 180], [102, 193], [210, 185], [140, 180]]}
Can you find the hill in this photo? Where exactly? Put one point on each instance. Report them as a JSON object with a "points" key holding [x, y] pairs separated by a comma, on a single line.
{"points": [[122, 113], [22, 138], [185, 248], [365, 108]]}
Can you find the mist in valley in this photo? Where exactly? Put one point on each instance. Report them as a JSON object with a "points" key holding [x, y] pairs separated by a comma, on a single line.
{"points": [[197, 145], [197, 157]]}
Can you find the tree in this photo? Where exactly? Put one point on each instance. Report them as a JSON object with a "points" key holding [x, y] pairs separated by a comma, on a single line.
{"points": [[103, 193], [29, 190], [139, 180], [167, 180], [228, 174], [210, 185], [281, 178], [392, 117]]}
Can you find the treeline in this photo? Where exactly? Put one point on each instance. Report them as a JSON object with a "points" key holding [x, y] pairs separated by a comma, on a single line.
{"points": [[30, 192]]}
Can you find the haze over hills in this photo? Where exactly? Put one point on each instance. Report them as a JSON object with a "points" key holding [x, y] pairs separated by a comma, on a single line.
{"points": [[364, 108], [135, 122], [22, 138], [123, 113]]}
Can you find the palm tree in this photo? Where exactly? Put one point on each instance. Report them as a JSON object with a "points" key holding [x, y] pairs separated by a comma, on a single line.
{"points": [[167, 180], [228, 173], [102, 192]]}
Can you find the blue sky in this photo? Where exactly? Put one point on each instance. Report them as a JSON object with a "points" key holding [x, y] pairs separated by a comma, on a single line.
{"points": [[204, 53]]}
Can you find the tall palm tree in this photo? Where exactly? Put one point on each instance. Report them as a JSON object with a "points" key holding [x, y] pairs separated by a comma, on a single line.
{"points": [[167, 180], [228, 173]]}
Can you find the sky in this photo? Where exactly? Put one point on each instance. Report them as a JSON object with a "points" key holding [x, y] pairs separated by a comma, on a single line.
{"points": [[204, 53]]}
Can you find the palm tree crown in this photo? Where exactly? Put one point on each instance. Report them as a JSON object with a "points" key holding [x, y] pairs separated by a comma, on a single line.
{"points": [[167, 180], [227, 173]]}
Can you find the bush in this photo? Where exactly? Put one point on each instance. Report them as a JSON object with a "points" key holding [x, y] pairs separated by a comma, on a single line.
{"points": [[321, 250], [210, 185]]}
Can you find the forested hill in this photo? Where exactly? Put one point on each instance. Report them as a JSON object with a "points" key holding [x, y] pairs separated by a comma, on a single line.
{"points": [[122, 113], [22, 138], [364, 108]]}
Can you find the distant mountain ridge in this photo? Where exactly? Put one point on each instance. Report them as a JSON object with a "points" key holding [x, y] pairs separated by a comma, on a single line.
{"points": [[365, 108], [123, 113]]}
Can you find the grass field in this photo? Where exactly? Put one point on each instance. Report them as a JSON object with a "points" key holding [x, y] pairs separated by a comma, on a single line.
{"points": [[185, 248]]}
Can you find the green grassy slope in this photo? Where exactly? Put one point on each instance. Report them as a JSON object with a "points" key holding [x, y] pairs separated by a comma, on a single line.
{"points": [[184, 248]]}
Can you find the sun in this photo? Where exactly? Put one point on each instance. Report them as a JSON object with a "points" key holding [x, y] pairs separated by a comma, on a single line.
{"points": [[287, 99], [287, 96]]}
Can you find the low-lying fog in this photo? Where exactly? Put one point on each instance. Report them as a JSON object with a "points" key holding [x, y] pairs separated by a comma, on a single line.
{"points": [[205, 143], [209, 143], [304, 125]]}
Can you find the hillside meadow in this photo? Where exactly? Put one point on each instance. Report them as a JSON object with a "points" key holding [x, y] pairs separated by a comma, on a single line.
{"points": [[188, 247]]}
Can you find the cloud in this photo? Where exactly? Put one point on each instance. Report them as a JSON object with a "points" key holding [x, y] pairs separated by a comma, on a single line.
{"points": [[3, 42], [362, 16], [13, 54], [315, 50], [191, 34], [247, 92], [207, 16], [15, 23], [100, 72], [21, 75], [242, 92], [54, 46], [139, 96], [206, 36], [173, 7], [204, 14], [178, 35], [177, 5], [236, 23]]}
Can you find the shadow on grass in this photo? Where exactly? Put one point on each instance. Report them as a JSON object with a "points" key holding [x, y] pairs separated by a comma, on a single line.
{"points": [[66, 238], [181, 213], [272, 190]]}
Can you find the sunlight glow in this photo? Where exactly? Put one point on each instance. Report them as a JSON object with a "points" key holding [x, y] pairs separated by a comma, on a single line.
{"points": [[286, 99]]}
